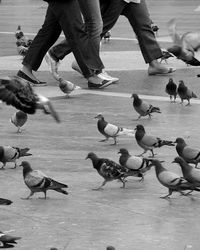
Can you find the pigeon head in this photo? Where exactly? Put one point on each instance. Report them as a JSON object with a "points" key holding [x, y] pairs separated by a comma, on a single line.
{"points": [[26, 165], [134, 96], [123, 151], [181, 83], [140, 127], [99, 117], [91, 156], [170, 80], [180, 141], [178, 160]]}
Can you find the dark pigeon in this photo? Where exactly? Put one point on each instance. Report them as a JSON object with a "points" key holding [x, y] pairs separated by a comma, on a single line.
{"points": [[171, 90]]}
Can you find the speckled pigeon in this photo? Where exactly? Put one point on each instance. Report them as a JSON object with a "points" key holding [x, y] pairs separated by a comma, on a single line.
{"points": [[171, 90], [19, 118], [185, 93], [172, 181], [143, 108], [110, 130], [108, 169], [7, 240], [149, 142], [11, 154], [37, 181], [17, 92]]}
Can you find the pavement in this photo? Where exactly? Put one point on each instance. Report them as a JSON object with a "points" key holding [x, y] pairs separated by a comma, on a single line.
{"points": [[134, 218]]}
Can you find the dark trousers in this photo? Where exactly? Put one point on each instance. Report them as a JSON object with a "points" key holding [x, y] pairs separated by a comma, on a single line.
{"points": [[139, 19], [64, 16]]}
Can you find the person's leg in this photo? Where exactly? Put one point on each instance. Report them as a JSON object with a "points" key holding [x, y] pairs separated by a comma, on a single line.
{"points": [[139, 18]]}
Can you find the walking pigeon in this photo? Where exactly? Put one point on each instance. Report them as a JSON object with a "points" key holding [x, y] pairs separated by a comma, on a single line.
{"points": [[37, 181], [143, 108], [23, 43], [7, 240], [111, 130], [11, 154], [171, 180], [148, 142], [171, 89], [19, 119], [189, 154], [137, 164], [66, 86], [108, 169], [17, 92], [190, 173], [185, 93], [184, 46], [5, 201]]}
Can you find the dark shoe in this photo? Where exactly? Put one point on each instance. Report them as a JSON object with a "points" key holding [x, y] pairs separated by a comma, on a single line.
{"points": [[101, 85], [28, 79]]}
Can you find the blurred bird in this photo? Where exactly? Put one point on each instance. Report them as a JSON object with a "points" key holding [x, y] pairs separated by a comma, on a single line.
{"points": [[107, 36], [8, 240], [185, 93], [66, 86], [107, 169], [190, 173], [171, 180], [184, 46], [143, 108], [111, 130], [23, 43], [148, 142], [19, 119], [11, 154], [137, 164], [189, 154], [5, 201], [37, 181], [17, 92], [171, 89]]}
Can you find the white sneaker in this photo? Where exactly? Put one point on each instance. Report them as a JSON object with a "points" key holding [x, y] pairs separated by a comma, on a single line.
{"points": [[53, 66], [105, 76]]}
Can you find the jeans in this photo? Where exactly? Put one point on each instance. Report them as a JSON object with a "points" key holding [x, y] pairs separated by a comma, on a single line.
{"points": [[64, 16]]}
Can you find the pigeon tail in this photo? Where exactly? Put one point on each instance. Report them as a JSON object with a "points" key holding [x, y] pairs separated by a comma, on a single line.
{"points": [[165, 143], [154, 109], [125, 131], [60, 190], [57, 185], [23, 152], [194, 95], [193, 62], [5, 201]]}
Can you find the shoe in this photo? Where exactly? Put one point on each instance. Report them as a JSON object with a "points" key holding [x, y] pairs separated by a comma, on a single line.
{"points": [[76, 67], [105, 76], [94, 82], [154, 71], [24, 76], [53, 65]]}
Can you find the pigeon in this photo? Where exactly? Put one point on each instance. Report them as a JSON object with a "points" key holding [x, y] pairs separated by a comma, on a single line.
{"points": [[66, 86], [23, 43], [11, 154], [37, 181], [108, 169], [190, 173], [19, 119], [171, 89], [5, 201], [135, 164], [189, 154], [184, 46], [111, 130], [110, 248], [17, 92], [7, 240], [148, 142], [143, 108], [185, 93], [172, 181]]}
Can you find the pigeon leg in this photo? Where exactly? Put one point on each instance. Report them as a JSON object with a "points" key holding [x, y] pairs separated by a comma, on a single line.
{"points": [[142, 153], [31, 193], [115, 141], [124, 182], [15, 165], [106, 139], [3, 166], [100, 187], [167, 196]]}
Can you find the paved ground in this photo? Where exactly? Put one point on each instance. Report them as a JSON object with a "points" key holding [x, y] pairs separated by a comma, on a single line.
{"points": [[133, 218]]}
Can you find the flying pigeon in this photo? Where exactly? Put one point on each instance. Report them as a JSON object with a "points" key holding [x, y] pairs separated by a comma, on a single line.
{"points": [[111, 130], [185, 93], [19, 119], [171, 89], [184, 46], [171, 180], [17, 92], [23, 43], [37, 181], [143, 108], [108, 169], [148, 142], [7, 240], [190, 173], [5, 201], [66, 86], [137, 164], [11, 154], [189, 154]]}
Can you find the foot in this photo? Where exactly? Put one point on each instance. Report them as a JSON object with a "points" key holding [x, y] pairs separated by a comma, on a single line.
{"points": [[30, 78], [159, 70], [95, 82], [53, 65], [105, 76]]}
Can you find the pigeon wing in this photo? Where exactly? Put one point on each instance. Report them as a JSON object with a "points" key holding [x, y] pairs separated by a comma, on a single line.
{"points": [[143, 108], [168, 178], [111, 129], [190, 153], [148, 141], [34, 178], [134, 163]]}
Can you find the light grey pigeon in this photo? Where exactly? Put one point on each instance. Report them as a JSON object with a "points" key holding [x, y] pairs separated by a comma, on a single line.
{"points": [[143, 108], [185, 93], [11, 154], [19, 118], [37, 181], [110, 130]]}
